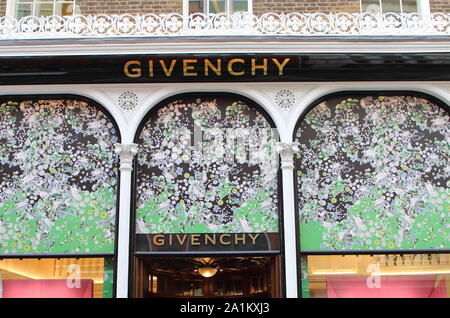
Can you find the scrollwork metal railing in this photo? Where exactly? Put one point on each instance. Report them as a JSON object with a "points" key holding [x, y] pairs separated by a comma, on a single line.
{"points": [[296, 24]]}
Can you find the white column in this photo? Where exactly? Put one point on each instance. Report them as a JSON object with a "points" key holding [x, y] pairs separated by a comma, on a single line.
{"points": [[424, 9], [126, 154], [287, 151]]}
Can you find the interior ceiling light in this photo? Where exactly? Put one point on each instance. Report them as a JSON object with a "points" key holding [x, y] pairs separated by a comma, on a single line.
{"points": [[207, 271]]}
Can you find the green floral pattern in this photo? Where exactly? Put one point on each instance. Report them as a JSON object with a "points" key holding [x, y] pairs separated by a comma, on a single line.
{"points": [[373, 173], [227, 182], [58, 178]]}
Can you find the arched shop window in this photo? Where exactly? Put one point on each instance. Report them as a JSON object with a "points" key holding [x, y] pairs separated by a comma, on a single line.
{"points": [[207, 164], [373, 176], [58, 192], [207, 180]]}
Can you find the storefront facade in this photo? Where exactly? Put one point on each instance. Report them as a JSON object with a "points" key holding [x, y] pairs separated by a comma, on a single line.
{"points": [[263, 166]]}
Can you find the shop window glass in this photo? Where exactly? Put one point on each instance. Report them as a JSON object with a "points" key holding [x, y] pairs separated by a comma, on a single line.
{"points": [[56, 278], [44, 8], [223, 182], [197, 288], [218, 6], [188, 288], [58, 177], [377, 276], [233, 287], [161, 285], [218, 288], [179, 287], [154, 284], [385, 6], [372, 173], [238, 288]]}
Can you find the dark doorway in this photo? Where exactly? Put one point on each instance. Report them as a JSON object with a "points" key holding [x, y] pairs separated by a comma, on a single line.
{"points": [[210, 277]]}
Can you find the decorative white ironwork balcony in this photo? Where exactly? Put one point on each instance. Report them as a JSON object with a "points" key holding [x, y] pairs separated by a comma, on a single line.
{"points": [[291, 24]]}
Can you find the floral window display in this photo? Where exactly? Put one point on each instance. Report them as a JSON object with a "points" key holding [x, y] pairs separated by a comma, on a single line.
{"points": [[207, 164], [373, 173], [58, 177]]}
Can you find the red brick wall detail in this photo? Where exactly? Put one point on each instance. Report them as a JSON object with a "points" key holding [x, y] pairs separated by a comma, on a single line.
{"points": [[440, 6], [132, 7]]}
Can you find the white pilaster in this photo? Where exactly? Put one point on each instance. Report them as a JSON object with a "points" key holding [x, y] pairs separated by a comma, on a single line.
{"points": [[126, 154], [287, 151]]}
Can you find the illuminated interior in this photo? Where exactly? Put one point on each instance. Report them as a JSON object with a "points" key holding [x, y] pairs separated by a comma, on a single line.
{"points": [[376, 275], [180, 277], [34, 269]]}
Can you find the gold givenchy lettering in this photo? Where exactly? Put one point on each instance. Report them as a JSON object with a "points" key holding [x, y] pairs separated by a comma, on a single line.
{"points": [[205, 239], [205, 67]]}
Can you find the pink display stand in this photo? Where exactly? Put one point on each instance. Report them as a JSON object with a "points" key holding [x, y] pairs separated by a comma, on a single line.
{"points": [[46, 288], [389, 287]]}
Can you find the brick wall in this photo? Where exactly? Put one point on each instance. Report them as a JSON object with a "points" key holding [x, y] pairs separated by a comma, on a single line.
{"points": [[132, 7], [440, 6], [307, 6], [3, 7]]}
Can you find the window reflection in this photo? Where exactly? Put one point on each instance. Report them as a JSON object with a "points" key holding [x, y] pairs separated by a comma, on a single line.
{"points": [[56, 278], [376, 276]]}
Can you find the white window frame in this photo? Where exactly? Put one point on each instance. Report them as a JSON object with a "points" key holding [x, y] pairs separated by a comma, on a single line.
{"points": [[11, 6], [206, 6], [423, 7]]}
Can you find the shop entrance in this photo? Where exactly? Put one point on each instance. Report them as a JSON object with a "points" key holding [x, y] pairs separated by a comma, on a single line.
{"points": [[209, 277]]}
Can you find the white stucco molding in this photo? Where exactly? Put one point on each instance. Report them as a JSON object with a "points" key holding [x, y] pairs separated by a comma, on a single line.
{"points": [[287, 150], [126, 154], [152, 93], [240, 24], [349, 45]]}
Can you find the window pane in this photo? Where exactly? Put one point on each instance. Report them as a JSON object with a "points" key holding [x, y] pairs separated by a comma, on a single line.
{"points": [[229, 290], [179, 287], [64, 8], [188, 288], [371, 6], [409, 6], [196, 6], [218, 288], [216, 6], [238, 5], [391, 6], [23, 10], [154, 284], [377, 276], [238, 288], [43, 9], [56, 278], [198, 290], [254, 285], [161, 286]]}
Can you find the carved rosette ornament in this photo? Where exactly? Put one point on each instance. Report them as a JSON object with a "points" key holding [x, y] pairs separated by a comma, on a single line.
{"points": [[287, 150], [126, 154]]}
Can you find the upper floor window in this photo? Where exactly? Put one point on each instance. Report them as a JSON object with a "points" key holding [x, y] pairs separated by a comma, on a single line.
{"points": [[217, 6], [397, 6], [38, 8]]}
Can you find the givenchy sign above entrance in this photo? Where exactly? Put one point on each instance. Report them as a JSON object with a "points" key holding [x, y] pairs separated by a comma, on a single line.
{"points": [[207, 242], [190, 67], [205, 239]]}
